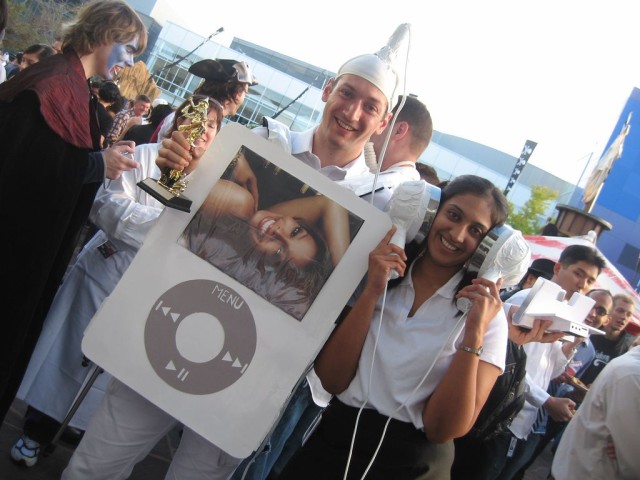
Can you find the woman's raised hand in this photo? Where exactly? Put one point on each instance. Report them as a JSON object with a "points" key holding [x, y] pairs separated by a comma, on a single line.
{"points": [[486, 303], [384, 258]]}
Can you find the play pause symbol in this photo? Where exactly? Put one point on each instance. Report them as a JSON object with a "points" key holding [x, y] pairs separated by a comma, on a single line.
{"points": [[182, 375]]}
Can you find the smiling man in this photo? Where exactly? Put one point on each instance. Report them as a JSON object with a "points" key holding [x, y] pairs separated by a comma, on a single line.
{"points": [[566, 384], [50, 170], [576, 272], [122, 120], [358, 104], [611, 344], [611, 314]]}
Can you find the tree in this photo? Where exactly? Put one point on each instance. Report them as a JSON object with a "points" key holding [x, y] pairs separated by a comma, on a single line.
{"points": [[36, 21], [527, 219]]}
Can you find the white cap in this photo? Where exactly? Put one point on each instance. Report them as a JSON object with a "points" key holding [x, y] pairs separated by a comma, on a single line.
{"points": [[378, 68]]}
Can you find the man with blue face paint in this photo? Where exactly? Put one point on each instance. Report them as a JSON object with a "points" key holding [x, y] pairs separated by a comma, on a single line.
{"points": [[121, 56], [51, 168]]}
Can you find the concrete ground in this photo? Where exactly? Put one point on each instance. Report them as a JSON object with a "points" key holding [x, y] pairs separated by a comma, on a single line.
{"points": [[153, 467], [542, 466]]}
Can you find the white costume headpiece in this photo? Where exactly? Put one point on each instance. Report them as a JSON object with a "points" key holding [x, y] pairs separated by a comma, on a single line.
{"points": [[379, 68]]}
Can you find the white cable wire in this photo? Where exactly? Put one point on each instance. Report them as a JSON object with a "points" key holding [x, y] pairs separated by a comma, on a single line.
{"points": [[393, 120], [384, 431], [452, 334], [384, 295], [375, 347]]}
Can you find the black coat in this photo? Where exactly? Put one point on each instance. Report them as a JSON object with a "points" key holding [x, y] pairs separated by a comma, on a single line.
{"points": [[44, 202]]}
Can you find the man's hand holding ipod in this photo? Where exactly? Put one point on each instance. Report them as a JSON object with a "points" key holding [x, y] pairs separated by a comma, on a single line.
{"points": [[537, 333]]}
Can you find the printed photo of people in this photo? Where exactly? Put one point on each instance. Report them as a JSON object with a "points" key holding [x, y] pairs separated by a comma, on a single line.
{"points": [[271, 232]]}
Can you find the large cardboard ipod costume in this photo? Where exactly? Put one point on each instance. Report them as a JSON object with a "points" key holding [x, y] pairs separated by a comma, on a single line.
{"points": [[217, 318]]}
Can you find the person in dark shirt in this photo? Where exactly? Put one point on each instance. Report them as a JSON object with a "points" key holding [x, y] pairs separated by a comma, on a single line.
{"points": [[108, 94], [142, 133], [34, 54], [540, 267], [611, 344]]}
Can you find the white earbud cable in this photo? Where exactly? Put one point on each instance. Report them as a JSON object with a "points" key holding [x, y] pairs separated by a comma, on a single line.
{"points": [[383, 151], [455, 331]]}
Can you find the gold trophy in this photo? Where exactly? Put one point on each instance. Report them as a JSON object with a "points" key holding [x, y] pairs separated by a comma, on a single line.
{"points": [[168, 189]]}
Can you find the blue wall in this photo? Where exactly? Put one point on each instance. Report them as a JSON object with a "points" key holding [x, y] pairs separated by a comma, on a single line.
{"points": [[619, 199]]}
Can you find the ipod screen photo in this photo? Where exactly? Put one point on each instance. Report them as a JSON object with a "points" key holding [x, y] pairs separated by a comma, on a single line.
{"points": [[271, 232]]}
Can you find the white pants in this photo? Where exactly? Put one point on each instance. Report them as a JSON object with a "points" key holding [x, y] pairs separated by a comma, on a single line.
{"points": [[123, 431]]}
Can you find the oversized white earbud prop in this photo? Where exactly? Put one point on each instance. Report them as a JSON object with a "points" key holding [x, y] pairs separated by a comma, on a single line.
{"points": [[412, 208], [504, 253]]}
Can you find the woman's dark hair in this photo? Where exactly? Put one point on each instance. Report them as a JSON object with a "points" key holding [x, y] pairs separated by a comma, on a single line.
{"points": [[109, 92], [159, 113], [312, 276], [461, 185], [118, 105], [481, 187], [40, 49]]}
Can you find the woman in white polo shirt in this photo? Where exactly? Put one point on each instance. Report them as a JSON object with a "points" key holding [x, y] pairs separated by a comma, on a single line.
{"points": [[409, 355]]}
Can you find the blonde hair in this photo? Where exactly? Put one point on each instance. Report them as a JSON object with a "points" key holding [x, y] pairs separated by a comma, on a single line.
{"points": [[103, 22], [624, 298]]}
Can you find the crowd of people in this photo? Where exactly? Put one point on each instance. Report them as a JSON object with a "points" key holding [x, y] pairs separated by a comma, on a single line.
{"points": [[407, 386]]}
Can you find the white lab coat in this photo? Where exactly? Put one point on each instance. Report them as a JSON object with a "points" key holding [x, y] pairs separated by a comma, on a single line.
{"points": [[55, 374]]}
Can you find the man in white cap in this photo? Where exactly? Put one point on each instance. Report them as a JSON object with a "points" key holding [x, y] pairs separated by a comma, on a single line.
{"points": [[358, 105]]}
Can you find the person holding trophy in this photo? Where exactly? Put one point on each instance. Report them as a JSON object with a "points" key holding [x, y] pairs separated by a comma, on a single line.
{"points": [[358, 103], [227, 81], [51, 168], [124, 214]]}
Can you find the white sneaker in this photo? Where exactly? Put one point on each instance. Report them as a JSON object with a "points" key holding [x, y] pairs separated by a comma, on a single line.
{"points": [[25, 451]]}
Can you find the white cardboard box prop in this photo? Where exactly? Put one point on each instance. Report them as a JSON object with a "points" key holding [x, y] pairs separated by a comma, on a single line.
{"points": [[202, 346], [546, 301]]}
